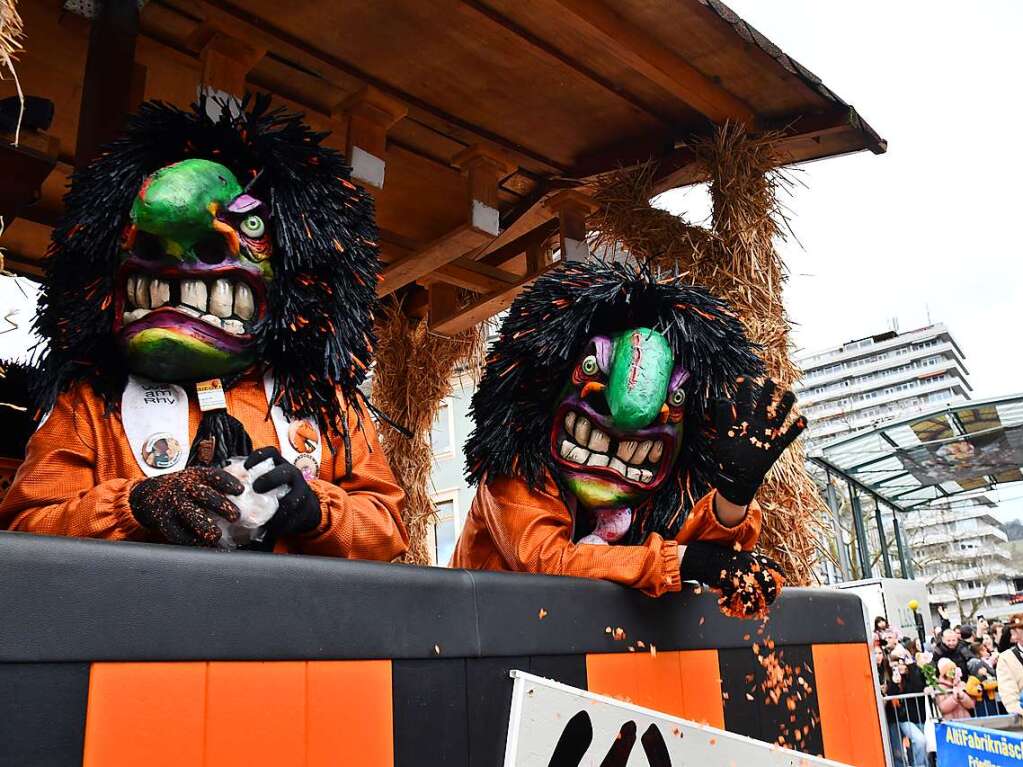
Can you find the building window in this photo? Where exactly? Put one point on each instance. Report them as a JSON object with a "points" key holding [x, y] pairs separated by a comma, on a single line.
{"points": [[444, 530], [442, 437]]}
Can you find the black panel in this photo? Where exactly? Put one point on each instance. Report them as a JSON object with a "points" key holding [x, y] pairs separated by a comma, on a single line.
{"points": [[577, 611], [430, 715], [489, 691], [742, 676], [70, 599], [42, 713], [567, 669], [18, 425]]}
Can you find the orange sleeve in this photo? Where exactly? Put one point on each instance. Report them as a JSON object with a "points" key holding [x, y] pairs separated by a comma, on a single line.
{"points": [[702, 524], [533, 531], [361, 512], [55, 491]]}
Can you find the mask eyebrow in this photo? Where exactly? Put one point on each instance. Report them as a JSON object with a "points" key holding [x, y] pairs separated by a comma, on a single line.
{"points": [[678, 377], [602, 347], [244, 203]]}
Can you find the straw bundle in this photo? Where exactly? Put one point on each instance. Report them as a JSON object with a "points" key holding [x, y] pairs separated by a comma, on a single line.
{"points": [[11, 34], [736, 259], [414, 367]]}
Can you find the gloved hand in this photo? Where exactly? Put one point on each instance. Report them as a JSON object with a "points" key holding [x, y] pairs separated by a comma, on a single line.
{"points": [[298, 511], [748, 582], [182, 506], [749, 439]]}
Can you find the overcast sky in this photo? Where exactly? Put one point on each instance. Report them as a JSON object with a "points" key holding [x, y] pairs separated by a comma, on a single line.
{"points": [[931, 226]]}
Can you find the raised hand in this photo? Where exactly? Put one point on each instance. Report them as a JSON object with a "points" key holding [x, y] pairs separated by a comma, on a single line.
{"points": [[750, 438], [298, 511], [748, 582], [183, 506]]}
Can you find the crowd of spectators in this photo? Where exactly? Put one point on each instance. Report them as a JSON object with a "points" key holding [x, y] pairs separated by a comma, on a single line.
{"points": [[974, 669]]}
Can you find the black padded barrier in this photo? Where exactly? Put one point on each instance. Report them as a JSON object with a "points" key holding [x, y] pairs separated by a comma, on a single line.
{"points": [[66, 600]]}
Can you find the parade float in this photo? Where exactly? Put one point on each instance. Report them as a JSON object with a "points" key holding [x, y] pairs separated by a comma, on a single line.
{"points": [[129, 651]]}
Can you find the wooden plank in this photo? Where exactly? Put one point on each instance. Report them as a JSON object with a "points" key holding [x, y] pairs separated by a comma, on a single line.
{"points": [[109, 70], [442, 251], [474, 275], [509, 250], [486, 307], [637, 49]]}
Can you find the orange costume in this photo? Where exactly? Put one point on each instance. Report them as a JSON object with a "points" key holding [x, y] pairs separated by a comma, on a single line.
{"points": [[511, 527], [79, 471]]}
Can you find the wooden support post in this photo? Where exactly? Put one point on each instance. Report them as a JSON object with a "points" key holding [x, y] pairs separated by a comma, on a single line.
{"points": [[226, 62], [109, 71], [443, 301], [485, 168], [573, 208], [370, 114]]}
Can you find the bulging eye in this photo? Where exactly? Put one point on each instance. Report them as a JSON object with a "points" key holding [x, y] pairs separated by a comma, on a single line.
{"points": [[677, 398], [590, 366], [253, 227]]}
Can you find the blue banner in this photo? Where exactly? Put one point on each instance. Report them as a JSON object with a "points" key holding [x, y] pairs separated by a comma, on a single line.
{"points": [[965, 745]]}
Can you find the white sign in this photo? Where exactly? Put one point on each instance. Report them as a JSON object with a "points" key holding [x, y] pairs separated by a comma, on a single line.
{"points": [[554, 725]]}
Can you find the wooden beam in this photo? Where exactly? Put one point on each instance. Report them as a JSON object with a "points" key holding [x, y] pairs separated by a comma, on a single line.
{"points": [[485, 307], [454, 244], [573, 208], [520, 244], [485, 169], [473, 275], [107, 84], [553, 53], [23, 169], [226, 61], [641, 52], [443, 301], [369, 114]]}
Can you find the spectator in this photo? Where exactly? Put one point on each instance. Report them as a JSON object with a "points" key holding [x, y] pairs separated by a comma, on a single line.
{"points": [[943, 614], [952, 699], [966, 634], [981, 669], [950, 649], [1010, 665], [982, 626], [991, 645], [910, 713], [995, 630]]}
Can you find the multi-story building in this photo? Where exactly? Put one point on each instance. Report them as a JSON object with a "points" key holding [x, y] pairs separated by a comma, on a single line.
{"points": [[963, 555], [863, 383]]}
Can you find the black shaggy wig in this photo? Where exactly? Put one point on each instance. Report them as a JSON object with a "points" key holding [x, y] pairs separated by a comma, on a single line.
{"points": [[546, 330], [318, 333]]}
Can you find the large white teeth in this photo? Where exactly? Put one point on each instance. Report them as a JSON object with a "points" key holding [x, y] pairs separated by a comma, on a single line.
{"points": [[617, 466], [235, 327], [210, 319], [582, 430], [570, 422], [129, 290], [159, 293], [641, 452], [136, 314], [566, 448], [193, 293], [626, 448], [221, 299], [633, 473], [578, 454], [655, 451], [190, 311], [598, 459], [646, 476], [142, 293], [244, 305], [599, 441]]}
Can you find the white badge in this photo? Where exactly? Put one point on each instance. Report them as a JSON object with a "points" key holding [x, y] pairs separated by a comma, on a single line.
{"points": [[299, 440], [155, 419]]}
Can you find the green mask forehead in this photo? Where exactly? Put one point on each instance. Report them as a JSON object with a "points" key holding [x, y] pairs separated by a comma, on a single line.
{"points": [[179, 203], [640, 370]]}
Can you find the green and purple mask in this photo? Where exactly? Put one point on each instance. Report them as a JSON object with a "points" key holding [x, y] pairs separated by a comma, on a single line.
{"points": [[618, 426], [195, 269]]}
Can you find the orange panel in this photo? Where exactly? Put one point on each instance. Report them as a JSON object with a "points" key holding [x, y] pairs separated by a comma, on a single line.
{"points": [[850, 724], [701, 687], [256, 714], [644, 679], [349, 713], [145, 713]]}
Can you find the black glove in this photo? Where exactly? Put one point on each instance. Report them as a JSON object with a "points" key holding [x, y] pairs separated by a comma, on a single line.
{"points": [[297, 512], [183, 506], [749, 439], [748, 582]]}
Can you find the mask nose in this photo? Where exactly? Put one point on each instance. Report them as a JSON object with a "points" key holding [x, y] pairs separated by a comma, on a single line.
{"points": [[641, 365]]}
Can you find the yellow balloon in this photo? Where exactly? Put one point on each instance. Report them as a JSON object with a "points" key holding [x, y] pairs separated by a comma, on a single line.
{"points": [[913, 604]]}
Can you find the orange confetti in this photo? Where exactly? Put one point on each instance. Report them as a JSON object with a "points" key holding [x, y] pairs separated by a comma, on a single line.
{"points": [[542, 614]]}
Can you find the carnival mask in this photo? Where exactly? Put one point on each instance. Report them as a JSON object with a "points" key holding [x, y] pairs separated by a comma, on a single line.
{"points": [[193, 280], [618, 425]]}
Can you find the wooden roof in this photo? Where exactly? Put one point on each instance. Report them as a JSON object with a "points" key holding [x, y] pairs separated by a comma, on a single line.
{"points": [[547, 92]]}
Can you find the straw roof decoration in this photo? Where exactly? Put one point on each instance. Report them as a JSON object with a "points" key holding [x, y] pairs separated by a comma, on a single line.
{"points": [[12, 32], [736, 260], [412, 376]]}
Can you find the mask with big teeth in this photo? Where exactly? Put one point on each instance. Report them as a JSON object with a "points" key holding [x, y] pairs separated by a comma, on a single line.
{"points": [[195, 267], [618, 425]]}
